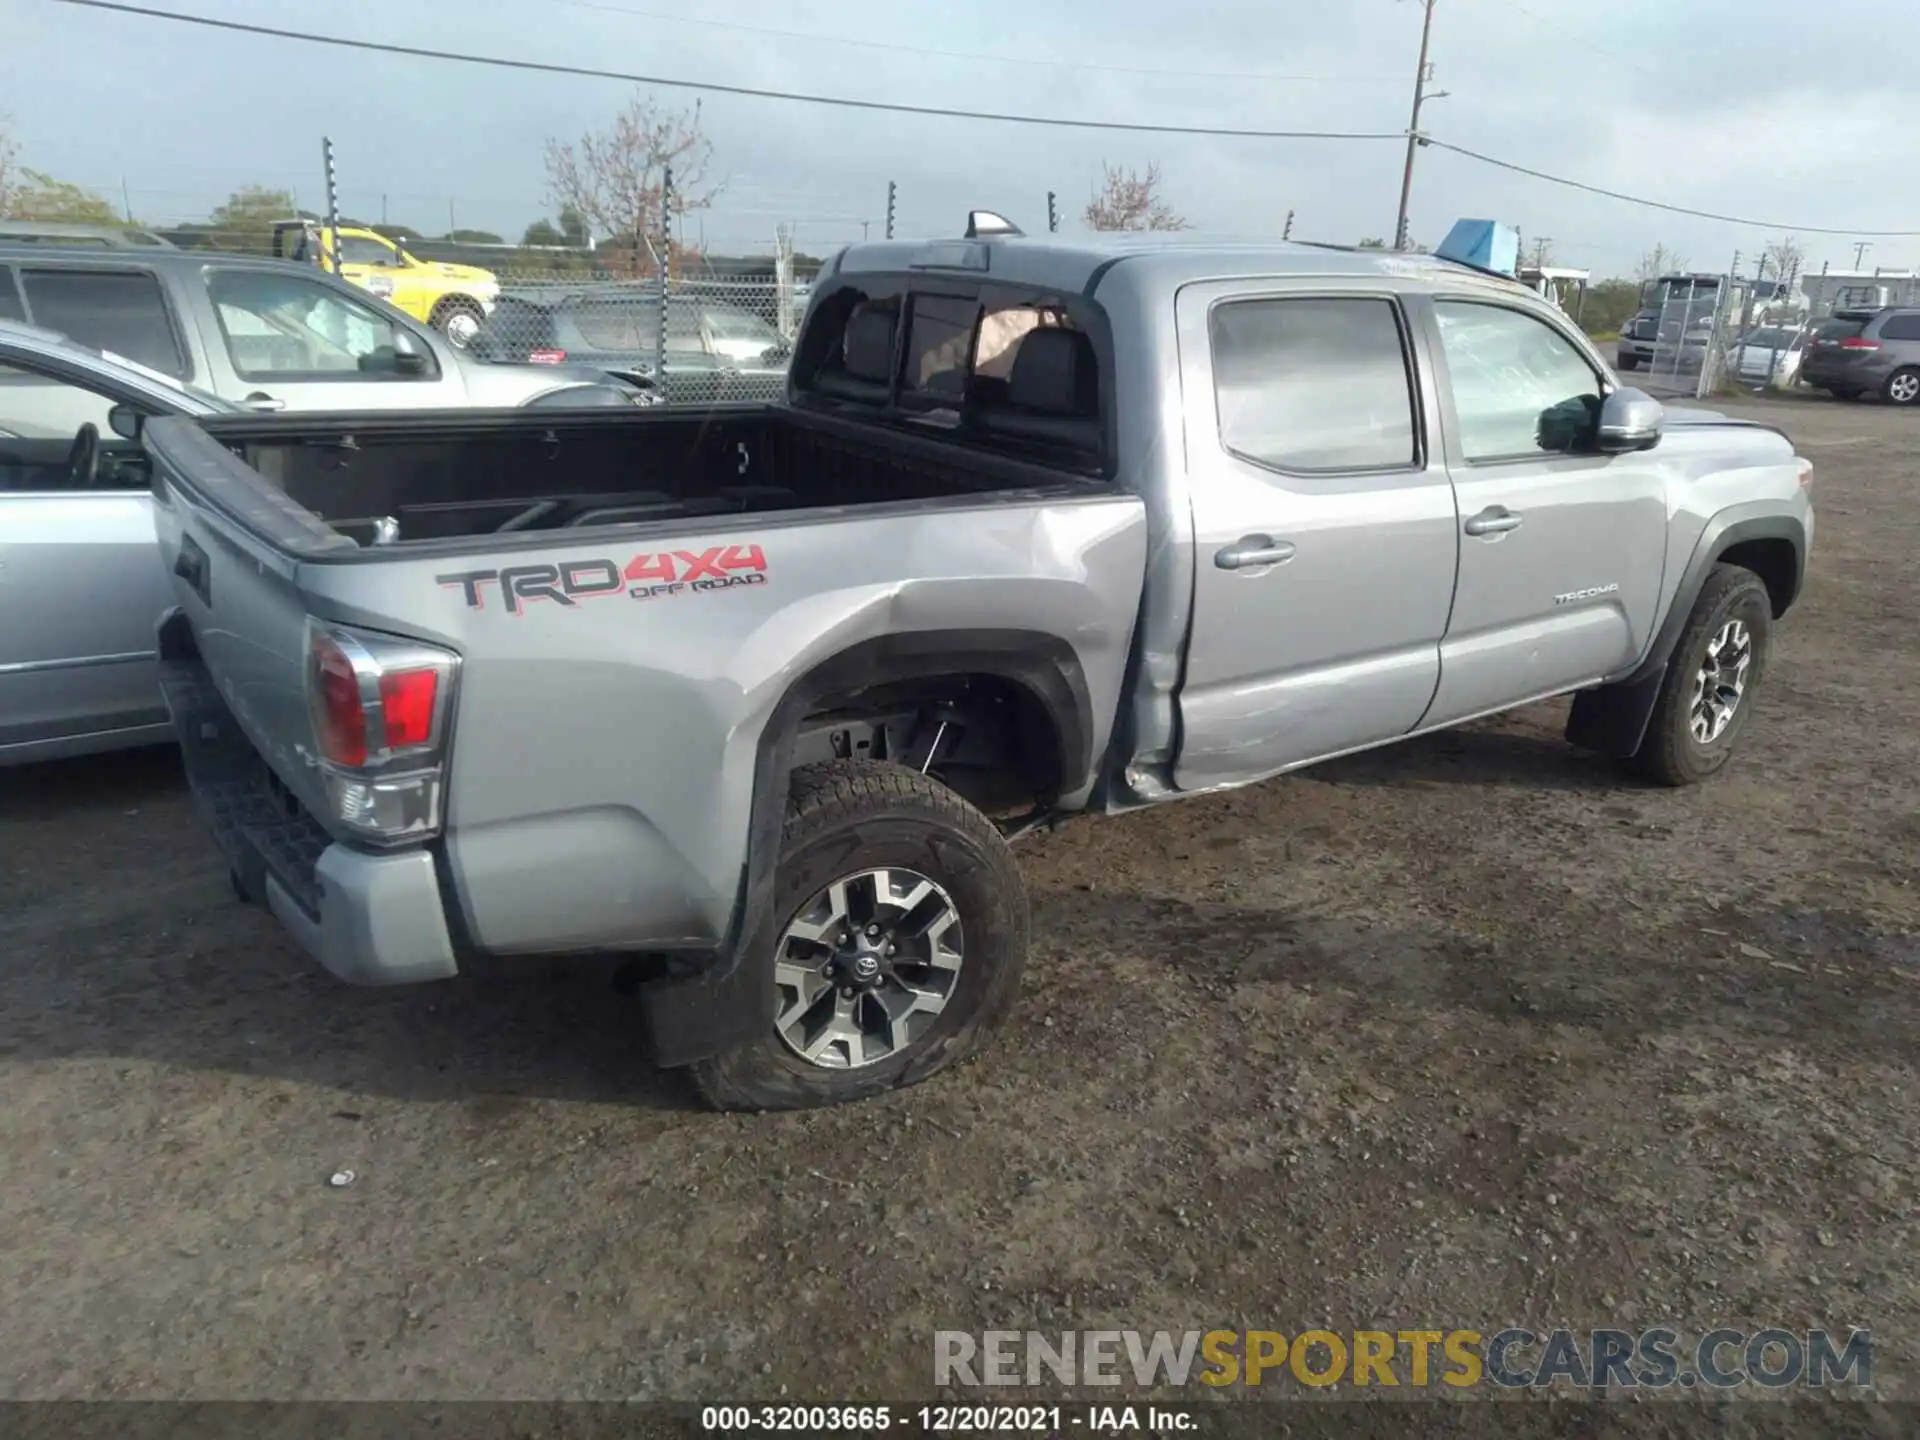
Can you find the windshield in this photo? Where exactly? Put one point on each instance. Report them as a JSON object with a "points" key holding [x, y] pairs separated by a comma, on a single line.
{"points": [[727, 325]]}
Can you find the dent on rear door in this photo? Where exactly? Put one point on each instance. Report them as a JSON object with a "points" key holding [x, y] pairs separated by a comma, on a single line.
{"points": [[1335, 644]]}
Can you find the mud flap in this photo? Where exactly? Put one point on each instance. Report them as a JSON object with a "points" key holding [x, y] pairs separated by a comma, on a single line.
{"points": [[1613, 719]]}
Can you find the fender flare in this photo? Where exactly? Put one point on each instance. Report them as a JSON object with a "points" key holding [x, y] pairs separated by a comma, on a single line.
{"points": [[1613, 719], [724, 1003]]}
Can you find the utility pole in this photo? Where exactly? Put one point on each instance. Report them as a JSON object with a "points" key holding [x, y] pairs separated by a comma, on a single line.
{"points": [[1860, 253], [1540, 251], [1420, 78], [126, 199]]}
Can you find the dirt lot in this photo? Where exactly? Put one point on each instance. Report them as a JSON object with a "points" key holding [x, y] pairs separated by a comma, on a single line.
{"points": [[1463, 1033]]}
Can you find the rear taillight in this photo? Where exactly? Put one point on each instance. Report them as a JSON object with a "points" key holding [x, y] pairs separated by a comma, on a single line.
{"points": [[1857, 342], [1806, 474], [546, 355], [380, 707], [339, 712]]}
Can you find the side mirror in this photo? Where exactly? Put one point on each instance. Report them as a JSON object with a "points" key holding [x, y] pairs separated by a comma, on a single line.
{"points": [[124, 421], [1630, 420], [408, 357]]}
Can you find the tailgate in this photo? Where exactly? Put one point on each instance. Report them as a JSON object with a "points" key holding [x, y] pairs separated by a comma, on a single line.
{"points": [[226, 539]]}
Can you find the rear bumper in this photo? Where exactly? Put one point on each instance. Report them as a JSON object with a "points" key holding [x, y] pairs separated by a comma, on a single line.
{"points": [[371, 918]]}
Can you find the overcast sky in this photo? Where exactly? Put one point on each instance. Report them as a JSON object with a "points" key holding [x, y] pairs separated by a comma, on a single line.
{"points": [[1723, 105]]}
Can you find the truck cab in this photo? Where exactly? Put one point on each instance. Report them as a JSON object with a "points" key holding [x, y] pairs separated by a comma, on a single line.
{"points": [[454, 299]]}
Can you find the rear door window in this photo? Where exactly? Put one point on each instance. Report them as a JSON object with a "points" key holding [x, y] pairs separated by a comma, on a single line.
{"points": [[121, 311], [1901, 327], [1314, 385]]}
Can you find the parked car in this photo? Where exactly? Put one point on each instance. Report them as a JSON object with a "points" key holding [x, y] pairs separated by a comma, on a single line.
{"points": [[267, 334], [78, 566], [1046, 528], [454, 299], [1857, 351], [1770, 355], [714, 352]]}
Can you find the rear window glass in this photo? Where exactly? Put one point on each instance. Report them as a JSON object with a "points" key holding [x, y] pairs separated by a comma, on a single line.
{"points": [[1313, 385], [940, 345], [1840, 329], [121, 311]]}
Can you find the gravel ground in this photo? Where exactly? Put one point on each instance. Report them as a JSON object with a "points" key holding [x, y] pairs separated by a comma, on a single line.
{"points": [[1466, 1032]]}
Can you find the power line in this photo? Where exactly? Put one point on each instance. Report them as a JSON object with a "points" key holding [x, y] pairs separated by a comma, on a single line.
{"points": [[1661, 204], [842, 102], [601, 6]]}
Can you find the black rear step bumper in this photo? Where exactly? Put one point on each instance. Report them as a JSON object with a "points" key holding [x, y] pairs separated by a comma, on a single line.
{"points": [[370, 918]]}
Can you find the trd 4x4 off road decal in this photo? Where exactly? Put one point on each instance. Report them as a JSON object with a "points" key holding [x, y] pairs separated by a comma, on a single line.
{"points": [[648, 576]]}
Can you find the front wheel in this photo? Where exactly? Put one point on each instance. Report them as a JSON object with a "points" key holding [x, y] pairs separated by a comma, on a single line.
{"points": [[1708, 692], [1625, 363], [902, 933]]}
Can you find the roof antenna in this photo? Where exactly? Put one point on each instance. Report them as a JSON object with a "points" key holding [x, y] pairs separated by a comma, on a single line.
{"points": [[984, 223]]}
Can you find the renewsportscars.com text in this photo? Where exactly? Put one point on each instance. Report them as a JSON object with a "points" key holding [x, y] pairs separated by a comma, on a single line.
{"points": [[1512, 1358]]}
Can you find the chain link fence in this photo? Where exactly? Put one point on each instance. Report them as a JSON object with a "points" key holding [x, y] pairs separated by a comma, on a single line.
{"points": [[714, 339]]}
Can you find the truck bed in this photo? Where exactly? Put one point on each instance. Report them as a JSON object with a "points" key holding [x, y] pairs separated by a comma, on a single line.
{"points": [[426, 480]]}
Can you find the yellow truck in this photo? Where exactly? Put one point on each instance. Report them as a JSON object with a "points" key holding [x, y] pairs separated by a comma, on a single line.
{"points": [[454, 299]]}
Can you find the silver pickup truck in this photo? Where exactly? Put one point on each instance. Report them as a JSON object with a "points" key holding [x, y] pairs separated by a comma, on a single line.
{"points": [[1043, 528]]}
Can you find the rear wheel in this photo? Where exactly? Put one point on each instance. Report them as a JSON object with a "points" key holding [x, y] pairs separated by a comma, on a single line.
{"points": [[1902, 387], [1628, 362], [1708, 691], [902, 936], [459, 319]]}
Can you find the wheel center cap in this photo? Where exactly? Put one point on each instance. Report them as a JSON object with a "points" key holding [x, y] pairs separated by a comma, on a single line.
{"points": [[865, 967]]}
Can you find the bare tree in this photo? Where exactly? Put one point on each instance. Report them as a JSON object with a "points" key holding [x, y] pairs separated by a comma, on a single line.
{"points": [[10, 180], [1129, 200], [613, 179], [1659, 261], [1783, 259]]}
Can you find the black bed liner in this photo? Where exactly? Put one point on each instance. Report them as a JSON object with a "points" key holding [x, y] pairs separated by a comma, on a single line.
{"points": [[347, 487]]}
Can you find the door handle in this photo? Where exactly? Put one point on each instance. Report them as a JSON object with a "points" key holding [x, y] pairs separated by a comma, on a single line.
{"points": [[260, 400], [1494, 520], [1251, 550]]}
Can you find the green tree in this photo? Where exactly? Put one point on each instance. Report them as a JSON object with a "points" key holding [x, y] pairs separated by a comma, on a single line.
{"points": [[244, 221], [38, 196], [474, 237], [1609, 305], [543, 232]]}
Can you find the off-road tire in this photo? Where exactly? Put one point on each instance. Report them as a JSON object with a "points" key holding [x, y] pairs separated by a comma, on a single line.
{"points": [[1670, 753], [850, 816]]}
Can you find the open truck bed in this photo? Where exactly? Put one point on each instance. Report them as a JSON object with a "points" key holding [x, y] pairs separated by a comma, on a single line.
{"points": [[466, 481]]}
